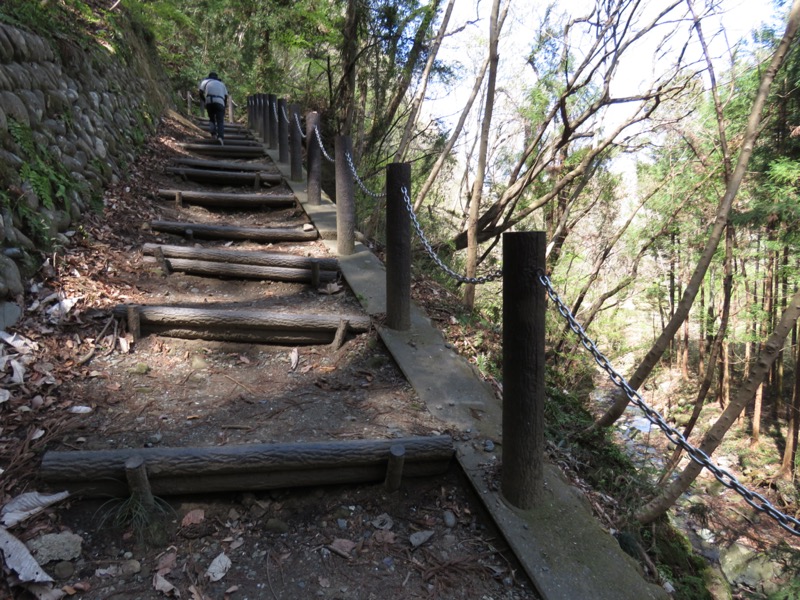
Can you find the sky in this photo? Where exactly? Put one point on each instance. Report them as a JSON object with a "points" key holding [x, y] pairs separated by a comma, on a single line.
{"points": [[468, 49]]}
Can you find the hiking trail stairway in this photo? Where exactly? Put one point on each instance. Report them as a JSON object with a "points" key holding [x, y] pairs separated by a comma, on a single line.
{"points": [[263, 367]]}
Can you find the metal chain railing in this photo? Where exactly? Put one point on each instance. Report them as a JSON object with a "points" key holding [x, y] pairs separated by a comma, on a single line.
{"points": [[432, 254], [322, 146], [357, 179], [275, 111], [285, 116], [754, 499], [299, 127]]}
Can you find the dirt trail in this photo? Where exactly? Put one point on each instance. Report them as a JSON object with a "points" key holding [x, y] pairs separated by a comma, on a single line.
{"points": [[98, 390]]}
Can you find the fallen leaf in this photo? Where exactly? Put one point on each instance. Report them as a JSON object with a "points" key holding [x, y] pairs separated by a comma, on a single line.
{"points": [[294, 358], [384, 537], [218, 567], [193, 517], [342, 547], [165, 587], [19, 559], [167, 562], [26, 505]]}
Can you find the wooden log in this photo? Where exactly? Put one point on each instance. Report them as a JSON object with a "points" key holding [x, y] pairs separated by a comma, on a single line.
{"points": [[134, 322], [244, 257], [229, 232], [233, 142], [247, 467], [244, 335], [223, 164], [225, 177], [229, 151], [229, 200], [138, 484], [395, 467], [243, 317], [234, 270]]}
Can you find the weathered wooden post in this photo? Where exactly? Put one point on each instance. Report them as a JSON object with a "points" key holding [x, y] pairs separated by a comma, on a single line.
{"points": [[313, 159], [188, 103], [398, 247], [523, 367], [230, 109], [273, 121], [345, 198], [283, 132], [264, 112], [295, 144], [250, 112], [257, 115]]}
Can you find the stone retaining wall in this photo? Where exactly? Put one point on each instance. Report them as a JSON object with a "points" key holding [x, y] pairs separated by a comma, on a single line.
{"points": [[85, 110]]}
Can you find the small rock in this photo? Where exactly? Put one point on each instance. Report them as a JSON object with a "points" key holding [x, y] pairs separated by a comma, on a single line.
{"points": [[488, 446], [199, 363], [55, 546], [382, 521], [342, 523], [420, 537], [63, 570], [277, 526], [130, 567], [449, 519]]}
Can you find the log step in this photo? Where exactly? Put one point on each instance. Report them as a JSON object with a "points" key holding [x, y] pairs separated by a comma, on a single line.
{"points": [[227, 200], [230, 270], [224, 255], [238, 143], [229, 151], [223, 164], [246, 467], [254, 326], [229, 232], [226, 177]]}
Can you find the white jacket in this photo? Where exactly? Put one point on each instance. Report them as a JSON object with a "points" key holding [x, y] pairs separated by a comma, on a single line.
{"points": [[214, 90]]}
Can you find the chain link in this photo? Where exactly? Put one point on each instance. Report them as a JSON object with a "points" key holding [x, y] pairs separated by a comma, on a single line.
{"points": [[754, 499], [321, 146], [285, 116], [275, 111], [432, 254], [357, 179], [299, 127]]}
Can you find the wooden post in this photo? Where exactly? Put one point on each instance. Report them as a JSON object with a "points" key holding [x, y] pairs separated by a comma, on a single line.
{"points": [[283, 132], [313, 159], [398, 248], [345, 198], [230, 109], [138, 484], [295, 144], [315, 274], [188, 103], [273, 121], [523, 367], [263, 113], [394, 468], [134, 326], [178, 199], [250, 112]]}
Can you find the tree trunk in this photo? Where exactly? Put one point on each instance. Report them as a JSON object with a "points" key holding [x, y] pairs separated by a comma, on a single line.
{"points": [[713, 437], [477, 186], [750, 135], [788, 464], [416, 102]]}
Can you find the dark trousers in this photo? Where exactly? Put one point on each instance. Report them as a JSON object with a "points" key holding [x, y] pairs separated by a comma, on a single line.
{"points": [[216, 114]]}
